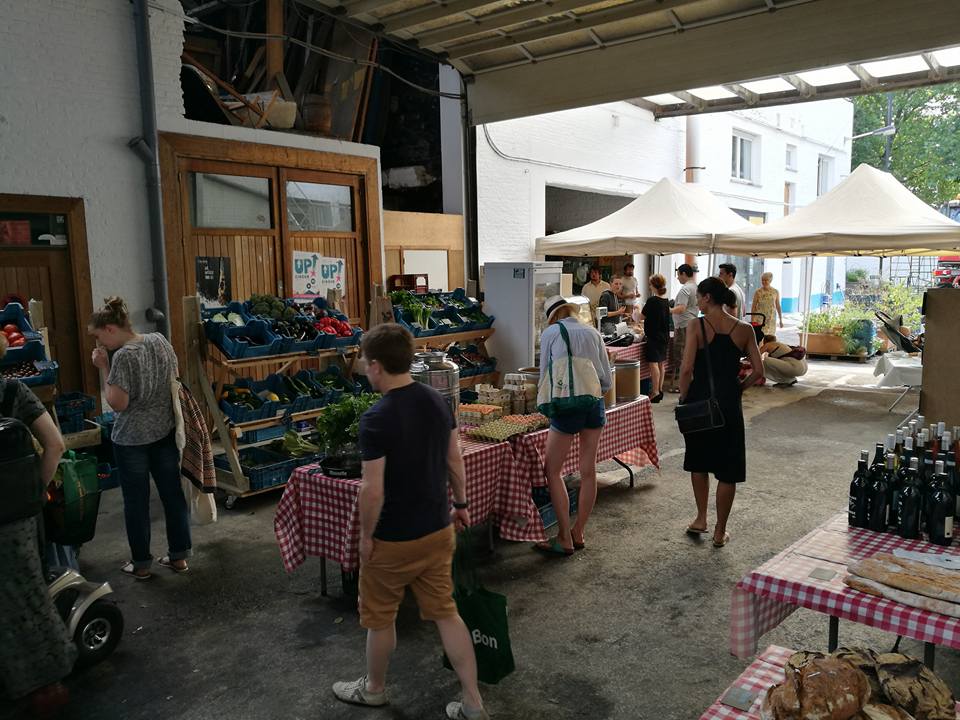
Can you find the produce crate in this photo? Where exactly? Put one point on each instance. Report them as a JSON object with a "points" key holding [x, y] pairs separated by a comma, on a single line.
{"points": [[72, 403], [236, 349], [88, 435], [261, 434], [458, 300], [108, 475], [405, 318], [344, 342], [214, 330], [71, 423], [31, 354], [261, 467], [13, 314], [541, 497], [241, 413]]}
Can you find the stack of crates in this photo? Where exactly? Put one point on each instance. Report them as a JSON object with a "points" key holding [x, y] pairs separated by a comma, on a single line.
{"points": [[72, 409]]}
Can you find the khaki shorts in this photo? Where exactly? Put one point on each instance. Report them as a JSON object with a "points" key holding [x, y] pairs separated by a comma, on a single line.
{"points": [[423, 565]]}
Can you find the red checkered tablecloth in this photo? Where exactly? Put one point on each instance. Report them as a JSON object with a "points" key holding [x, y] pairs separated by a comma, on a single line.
{"points": [[638, 351], [767, 595], [628, 435], [763, 672], [318, 515]]}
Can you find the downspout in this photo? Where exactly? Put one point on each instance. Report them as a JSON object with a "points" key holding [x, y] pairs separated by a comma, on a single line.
{"points": [[146, 148], [471, 229]]}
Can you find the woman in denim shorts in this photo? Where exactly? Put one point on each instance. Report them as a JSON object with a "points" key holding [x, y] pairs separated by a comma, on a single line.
{"points": [[585, 342]]}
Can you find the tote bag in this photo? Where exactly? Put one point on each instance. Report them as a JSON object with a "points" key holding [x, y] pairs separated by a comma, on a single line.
{"points": [[701, 415], [485, 615], [571, 384], [70, 515]]}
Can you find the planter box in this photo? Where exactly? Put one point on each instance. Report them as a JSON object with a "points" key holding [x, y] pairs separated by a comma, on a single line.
{"points": [[824, 344]]}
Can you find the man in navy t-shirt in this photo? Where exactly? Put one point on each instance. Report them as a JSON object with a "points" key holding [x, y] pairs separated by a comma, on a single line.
{"points": [[411, 452]]}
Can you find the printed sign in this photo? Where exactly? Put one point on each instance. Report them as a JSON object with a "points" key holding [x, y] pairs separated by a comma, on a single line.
{"points": [[213, 281], [313, 275]]}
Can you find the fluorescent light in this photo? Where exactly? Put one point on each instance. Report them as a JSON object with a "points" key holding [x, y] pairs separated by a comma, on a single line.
{"points": [[714, 92], [829, 76], [770, 85], [664, 99], [896, 66], [948, 57]]}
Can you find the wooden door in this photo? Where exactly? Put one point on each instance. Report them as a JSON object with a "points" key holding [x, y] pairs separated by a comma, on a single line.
{"points": [[45, 274], [323, 213], [230, 211]]}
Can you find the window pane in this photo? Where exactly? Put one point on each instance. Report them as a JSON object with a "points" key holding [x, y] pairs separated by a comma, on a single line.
{"points": [[746, 166], [21, 228], [229, 201], [312, 206], [734, 151]]}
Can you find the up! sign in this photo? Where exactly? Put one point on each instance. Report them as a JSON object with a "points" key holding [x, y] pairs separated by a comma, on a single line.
{"points": [[313, 274]]}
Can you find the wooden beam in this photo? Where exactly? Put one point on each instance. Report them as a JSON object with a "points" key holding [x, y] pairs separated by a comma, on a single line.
{"points": [[274, 47], [525, 13]]}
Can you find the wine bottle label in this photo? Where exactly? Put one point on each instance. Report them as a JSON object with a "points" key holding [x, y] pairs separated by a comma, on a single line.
{"points": [[948, 526]]}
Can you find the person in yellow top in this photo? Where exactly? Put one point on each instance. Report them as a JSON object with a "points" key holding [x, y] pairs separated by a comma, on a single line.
{"points": [[766, 300], [594, 289]]}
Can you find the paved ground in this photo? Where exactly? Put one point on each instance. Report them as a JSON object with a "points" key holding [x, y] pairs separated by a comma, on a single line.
{"points": [[634, 627]]}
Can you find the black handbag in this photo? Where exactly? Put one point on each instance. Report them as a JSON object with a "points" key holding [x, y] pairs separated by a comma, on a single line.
{"points": [[701, 415], [20, 481]]}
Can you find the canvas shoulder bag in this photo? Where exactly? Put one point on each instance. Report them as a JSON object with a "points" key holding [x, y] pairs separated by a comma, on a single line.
{"points": [[701, 415], [571, 384]]}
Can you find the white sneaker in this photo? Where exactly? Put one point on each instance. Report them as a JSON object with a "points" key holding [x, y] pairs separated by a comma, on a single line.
{"points": [[455, 712], [356, 692]]}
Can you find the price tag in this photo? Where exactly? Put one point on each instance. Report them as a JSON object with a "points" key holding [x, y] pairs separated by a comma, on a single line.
{"points": [[739, 698]]}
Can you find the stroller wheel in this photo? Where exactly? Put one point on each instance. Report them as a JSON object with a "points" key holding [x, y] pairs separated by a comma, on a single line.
{"points": [[98, 633]]}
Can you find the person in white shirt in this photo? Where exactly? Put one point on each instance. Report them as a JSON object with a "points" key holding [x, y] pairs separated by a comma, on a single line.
{"points": [[594, 289], [683, 311], [630, 291], [728, 273]]}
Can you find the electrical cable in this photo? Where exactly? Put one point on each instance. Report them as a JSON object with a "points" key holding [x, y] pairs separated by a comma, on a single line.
{"points": [[312, 48]]}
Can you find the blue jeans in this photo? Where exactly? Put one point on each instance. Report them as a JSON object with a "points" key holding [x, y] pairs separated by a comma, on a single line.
{"points": [[136, 464]]}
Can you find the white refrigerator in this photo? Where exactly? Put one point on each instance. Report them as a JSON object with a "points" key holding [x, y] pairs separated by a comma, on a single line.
{"points": [[514, 293]]}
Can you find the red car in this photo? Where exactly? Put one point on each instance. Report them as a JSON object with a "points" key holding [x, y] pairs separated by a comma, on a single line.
{"points": [[947, 272]]}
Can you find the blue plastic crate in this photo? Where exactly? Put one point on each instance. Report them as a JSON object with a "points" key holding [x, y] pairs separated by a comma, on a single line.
{"points": [[405, 318], [271, 469], [541, 497], [241, 413], [214, 330], [13, 314], [74, 402], [236, 349], [71, 423], [267, 433], [33, 353], [48, 370], [108, 475]]}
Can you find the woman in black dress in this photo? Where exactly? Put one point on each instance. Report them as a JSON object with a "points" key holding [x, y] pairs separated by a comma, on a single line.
{"points": [[656, 328], [720, 451]]}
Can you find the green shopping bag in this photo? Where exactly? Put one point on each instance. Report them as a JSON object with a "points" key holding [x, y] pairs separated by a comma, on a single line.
{"points": [[70, 515], [485, 614]]}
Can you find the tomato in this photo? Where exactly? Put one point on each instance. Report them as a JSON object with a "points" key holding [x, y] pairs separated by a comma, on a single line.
{"points": [[14, 336], [19, 342], [10, 328]]}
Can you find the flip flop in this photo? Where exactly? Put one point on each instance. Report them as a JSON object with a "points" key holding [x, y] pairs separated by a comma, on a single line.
{"points": [[553, 547], [166, 562], [578, 545], [691, 530], [726, 539], [130, 570]]}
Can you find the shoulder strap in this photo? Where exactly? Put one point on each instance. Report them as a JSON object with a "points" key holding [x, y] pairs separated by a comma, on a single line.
{"points": [[566, 340], [9, 396], [706, 349]]}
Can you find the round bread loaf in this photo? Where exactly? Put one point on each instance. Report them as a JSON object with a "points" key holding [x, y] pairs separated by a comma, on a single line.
{"points": [[912, 686]]}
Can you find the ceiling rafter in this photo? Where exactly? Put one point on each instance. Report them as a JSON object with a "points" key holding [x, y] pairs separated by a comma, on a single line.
{"points": [[748, 96], [429, 13], [866, 78], [567, 26]]}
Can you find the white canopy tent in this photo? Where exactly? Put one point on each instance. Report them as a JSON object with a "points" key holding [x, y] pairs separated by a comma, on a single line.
{"points": [[670, 217], [869, 213]]}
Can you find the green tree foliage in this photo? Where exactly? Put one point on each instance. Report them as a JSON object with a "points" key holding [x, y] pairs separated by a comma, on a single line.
{"points": [[926, 147]]}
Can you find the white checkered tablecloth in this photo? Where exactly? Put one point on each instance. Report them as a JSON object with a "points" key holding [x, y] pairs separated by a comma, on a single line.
{"points": [[318, 515], [767, 595], [763, 672], [629, 434]]}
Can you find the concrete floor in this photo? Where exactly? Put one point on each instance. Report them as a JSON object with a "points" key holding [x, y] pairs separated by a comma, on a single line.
{"points": [[636, 626]]}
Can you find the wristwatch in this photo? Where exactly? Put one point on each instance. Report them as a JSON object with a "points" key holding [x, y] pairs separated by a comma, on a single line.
{"points": [[461, 506]]}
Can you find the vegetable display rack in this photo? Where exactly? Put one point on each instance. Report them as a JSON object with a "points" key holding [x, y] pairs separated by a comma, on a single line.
{"points": [[207, 366], [477, 337]]}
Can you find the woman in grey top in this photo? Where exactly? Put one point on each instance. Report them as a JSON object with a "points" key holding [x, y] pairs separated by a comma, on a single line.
{"points": [[137, 381]]}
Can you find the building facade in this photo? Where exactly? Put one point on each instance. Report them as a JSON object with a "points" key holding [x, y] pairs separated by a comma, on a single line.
{"points": [[557, 171]]}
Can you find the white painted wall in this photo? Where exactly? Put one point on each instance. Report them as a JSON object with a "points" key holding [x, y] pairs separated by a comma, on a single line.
{"points": [[615, 148], [69, 102]]}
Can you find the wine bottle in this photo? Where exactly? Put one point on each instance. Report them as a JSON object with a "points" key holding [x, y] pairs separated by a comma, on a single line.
{"points": [[921, 421], [878, 508], [907, 453], [893, 492], [878, 457], [898, 448], [909, 503], [859, 488], [940, 509], [933, 440]]}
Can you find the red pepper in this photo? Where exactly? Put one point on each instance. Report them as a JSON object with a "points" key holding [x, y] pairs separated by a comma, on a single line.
{"points": [[329, 330]]}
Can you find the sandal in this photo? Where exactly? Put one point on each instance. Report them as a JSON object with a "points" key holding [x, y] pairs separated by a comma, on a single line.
{"points": [[720, 544], [130, 569], [577, 544], [166, 562], [692, 530], [553, 547]]}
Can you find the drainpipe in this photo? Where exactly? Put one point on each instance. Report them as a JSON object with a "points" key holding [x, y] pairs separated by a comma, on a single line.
{"points": [[692, 166], [146, 148], [470, 216]]}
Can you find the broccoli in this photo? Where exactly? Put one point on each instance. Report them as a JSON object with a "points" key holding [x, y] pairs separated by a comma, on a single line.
{"points": [[260, 308], [289, 314]]}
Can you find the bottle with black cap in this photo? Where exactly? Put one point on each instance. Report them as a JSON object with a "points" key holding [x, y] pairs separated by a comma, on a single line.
{"points": [[859, 498], [940, 510], [908, 503], [878, 507]]}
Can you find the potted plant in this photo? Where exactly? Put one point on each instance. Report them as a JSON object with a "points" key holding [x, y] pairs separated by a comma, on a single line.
{"points": [[338, 428]]}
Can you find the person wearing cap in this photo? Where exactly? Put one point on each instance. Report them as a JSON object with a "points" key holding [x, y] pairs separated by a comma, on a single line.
{"points": [[684, 310], [631, 290], [585, 342]]}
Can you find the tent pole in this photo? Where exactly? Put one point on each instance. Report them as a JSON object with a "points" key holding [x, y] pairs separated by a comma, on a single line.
{"points": [[808, 288]]}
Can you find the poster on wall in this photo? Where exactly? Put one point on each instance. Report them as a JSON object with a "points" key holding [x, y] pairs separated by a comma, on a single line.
{"points": [[213, 281], [313, 275]]}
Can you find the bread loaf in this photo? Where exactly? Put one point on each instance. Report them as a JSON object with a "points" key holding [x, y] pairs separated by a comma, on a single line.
{"points": [[910, 575], [912, 686], [879, 711], [864, 660]]}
